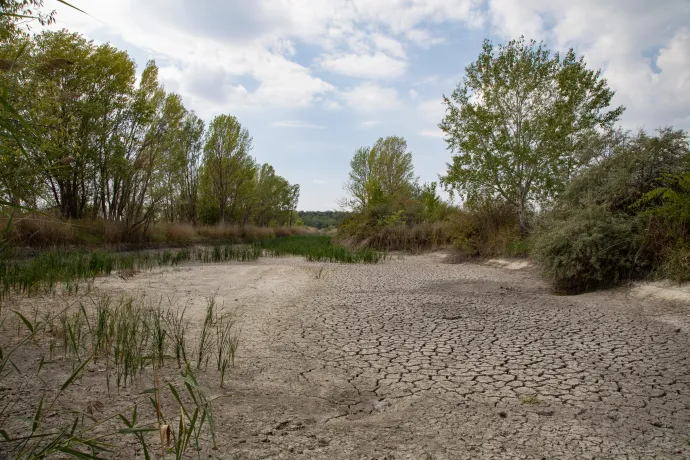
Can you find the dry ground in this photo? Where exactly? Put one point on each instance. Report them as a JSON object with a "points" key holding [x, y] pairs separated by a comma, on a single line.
{"points": [[417, 358]]}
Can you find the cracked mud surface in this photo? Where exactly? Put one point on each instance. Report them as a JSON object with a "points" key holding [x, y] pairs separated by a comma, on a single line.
{"points": [[416, 357]]}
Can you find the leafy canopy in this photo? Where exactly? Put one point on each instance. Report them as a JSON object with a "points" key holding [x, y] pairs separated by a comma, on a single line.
{"points": [[381, 173], [517, 120]]}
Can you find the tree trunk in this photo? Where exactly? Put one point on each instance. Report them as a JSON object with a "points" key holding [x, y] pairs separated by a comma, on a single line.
{"points": [[523, 217]]}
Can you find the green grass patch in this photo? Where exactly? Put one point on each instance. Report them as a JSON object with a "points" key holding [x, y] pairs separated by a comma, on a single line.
{"points": [[319, 248], [48, 269]]}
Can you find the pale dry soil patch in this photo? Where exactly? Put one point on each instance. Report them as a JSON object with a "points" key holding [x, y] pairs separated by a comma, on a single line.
{"points": [[415, 357]]}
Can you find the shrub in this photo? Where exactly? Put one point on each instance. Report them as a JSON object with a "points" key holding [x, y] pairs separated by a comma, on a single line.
{"points": [[676, 264], [42, 230], [591, 248], [487, 229], [180, 233], [636, 165]]}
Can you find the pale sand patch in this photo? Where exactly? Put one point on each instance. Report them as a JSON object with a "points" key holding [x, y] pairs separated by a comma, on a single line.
{"points": [[665, 290], [509, 264]]}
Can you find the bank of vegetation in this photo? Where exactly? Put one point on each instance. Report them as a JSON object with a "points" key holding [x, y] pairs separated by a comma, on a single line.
{"points": [[540, 168], [100, 156]]}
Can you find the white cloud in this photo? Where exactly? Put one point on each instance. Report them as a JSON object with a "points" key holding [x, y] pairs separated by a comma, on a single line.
{"points": [[296, 124], [369, 123], [333, 105], [423, 38], [432, 133], [389, 45], [318, 182], [378, 65], [370, 97], [185, 55], [432, 110], [235, 40], [413, 94], [621, 37]]}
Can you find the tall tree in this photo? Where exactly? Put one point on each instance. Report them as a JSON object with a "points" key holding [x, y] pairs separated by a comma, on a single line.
{"points": [[516, 122], [227, 167], [78, 88], [381, 172]]}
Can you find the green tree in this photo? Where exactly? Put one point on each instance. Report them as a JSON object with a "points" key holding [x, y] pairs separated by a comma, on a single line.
{"points": [[516, 121], [76, 93], [227, 167], [13, 11], [383, 172]]}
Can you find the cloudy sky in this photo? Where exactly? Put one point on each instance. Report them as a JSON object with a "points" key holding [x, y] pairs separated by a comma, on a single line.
{"points": [[313, 80]]}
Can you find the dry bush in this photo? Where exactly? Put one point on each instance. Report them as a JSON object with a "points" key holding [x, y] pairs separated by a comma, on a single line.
{"points": [[282, 231], [250, 233], [94, 231], [301, 230], [181, 233], [487, 230], [415, 238], [219, 232], [243, 234], [41, 230]]}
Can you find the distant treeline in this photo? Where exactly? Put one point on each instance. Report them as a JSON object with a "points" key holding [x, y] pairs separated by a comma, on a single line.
{"points": [[323, 219]]}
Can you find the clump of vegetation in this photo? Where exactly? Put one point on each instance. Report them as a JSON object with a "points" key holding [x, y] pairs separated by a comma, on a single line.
{"points": [[127, 338], [391, 211], [487, 229], [591, 248], [319, 248], [48, 269], [322, 219], [516, 120], [531, 400], [86, 140], [38, 230], [623, 217]]}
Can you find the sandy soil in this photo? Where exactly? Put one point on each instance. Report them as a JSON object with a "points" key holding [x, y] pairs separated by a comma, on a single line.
{"points": [[416, 358]]}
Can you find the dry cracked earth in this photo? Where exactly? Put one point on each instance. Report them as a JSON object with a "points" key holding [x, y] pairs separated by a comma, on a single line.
{"points": [[421, 359]]}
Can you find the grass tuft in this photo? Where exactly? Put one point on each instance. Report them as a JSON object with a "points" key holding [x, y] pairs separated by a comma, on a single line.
{"points": [[319, 248]]}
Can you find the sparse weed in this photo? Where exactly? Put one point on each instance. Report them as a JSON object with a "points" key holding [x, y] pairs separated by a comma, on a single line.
{"points": [[319, 248], [531, 400], [127, 335], [47, 270]]}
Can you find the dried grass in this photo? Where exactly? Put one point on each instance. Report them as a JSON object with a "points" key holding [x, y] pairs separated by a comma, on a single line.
{"points": [[41, 231]]}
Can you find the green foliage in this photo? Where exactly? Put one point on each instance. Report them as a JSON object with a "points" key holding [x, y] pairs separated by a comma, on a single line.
{"points": [[623, 217], [624, 167], [227, 168], [82, 139], [318, 248], [592, 248], [48, 269], [323, 219], [670, 203], [516, 121], [380, 174], [14, 11]]}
